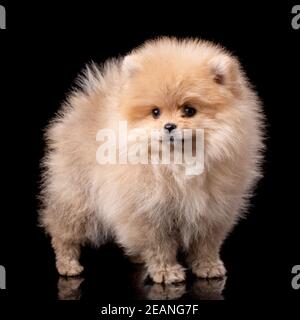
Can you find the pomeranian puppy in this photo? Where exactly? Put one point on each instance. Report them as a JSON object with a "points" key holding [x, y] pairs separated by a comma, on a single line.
{"points": [[154, 210]]}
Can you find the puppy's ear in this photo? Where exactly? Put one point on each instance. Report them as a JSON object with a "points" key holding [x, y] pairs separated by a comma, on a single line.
{"points": [[130, 65], [226, 72]]}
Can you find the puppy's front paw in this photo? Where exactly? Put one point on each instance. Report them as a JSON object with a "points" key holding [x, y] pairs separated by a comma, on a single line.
{"points": [[167, 273], [209, 269], [69, 268]]}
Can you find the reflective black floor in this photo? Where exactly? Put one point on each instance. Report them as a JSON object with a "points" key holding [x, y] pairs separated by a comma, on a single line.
{"points": [[200, 289]]}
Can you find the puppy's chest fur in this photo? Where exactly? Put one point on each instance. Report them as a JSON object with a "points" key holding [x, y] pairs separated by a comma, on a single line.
{"points": [[182, 208], [174, 197], [159, 198]]}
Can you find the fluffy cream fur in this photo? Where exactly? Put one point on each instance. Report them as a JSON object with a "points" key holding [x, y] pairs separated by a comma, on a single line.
{"points": [[153, 210]]}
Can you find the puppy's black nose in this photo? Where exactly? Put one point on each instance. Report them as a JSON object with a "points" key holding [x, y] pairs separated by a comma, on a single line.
{"points": [[170, 126]]}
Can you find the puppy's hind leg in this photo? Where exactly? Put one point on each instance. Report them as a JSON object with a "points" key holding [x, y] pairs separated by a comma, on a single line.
{"points": [[67, 257]]}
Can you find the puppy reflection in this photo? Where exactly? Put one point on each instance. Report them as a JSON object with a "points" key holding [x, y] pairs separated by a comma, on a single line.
{"points": [[165, 292], [208, 289], [199, 289], [69, 288]]}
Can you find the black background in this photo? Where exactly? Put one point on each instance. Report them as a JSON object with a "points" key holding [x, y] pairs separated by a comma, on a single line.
{"points": [[44, 48]]}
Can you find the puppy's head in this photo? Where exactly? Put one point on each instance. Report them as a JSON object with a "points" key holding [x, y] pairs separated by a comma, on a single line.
{"points": [[172, 84]]}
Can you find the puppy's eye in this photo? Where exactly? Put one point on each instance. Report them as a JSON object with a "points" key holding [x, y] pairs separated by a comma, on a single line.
{"points": [[155, 113], [188, 111]]}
